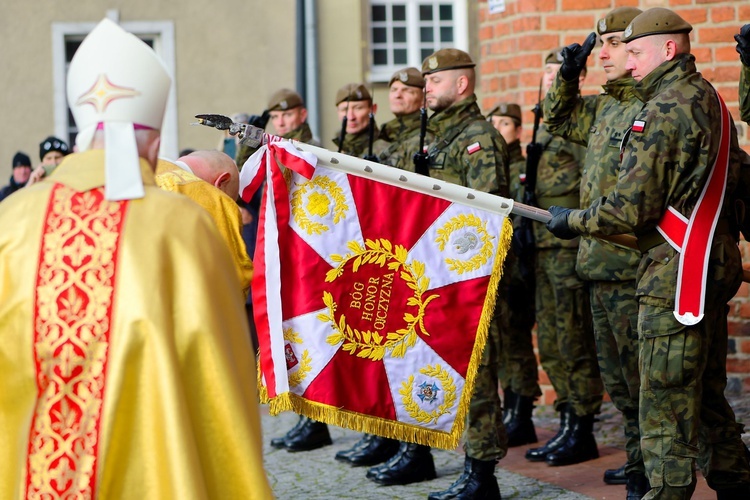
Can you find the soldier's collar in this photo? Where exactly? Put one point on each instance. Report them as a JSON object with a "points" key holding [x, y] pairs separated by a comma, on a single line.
{"points": [[664, 75]]}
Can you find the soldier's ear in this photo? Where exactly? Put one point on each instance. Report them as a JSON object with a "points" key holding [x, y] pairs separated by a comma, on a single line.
{"points": [[462, 84], [670, 49], [374, 108]]}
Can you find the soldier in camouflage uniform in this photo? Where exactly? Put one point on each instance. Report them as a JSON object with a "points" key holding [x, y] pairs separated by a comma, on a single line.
{"points": [[743, 48], [354, 102], [564, 331], [599, 122], [518, 371], [465, 149], [288, 115], [668, 158], [405, 96]]}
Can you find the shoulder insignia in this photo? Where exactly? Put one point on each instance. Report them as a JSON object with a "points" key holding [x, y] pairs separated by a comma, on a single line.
{"points": [[639, 125], [473, 148]]}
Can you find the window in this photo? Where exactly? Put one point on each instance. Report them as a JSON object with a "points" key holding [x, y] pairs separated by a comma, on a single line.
{"points": [[66, 37], [404, 32]]}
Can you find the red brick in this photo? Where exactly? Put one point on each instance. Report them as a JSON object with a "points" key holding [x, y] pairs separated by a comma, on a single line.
{"points": [[526, 6], [488, 67], [569, 22], [527, 23], [541, 42], [673, 3], [702, 55], [738, 365], [742, 292], [693, 16], [709, 1], [548, 396], [585, 4], [746, 384], [738, 328], [485, 33], [743, 12], [726, 53], [717, 35], [501, 29], [743, 346], [722, 14], [730, 93]]}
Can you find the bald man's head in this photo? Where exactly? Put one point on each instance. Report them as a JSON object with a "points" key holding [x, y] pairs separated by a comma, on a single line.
{"points": [[216, 168]]}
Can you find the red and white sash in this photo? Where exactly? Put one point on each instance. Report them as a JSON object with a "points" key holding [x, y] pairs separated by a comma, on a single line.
{"points": [[693, 237]]}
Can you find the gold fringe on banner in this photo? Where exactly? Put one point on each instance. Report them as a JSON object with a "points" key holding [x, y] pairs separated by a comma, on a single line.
{"points": [[393, 429]]}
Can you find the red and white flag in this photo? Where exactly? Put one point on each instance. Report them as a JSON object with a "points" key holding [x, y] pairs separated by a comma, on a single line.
{"points": [[372, 302]]}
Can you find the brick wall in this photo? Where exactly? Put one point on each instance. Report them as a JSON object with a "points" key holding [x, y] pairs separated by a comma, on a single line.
{"points": [[512, 48]]}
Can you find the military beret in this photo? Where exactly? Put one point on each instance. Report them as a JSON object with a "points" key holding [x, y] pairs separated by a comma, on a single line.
{"points": [[445, 59], [554, 57], [617, 20], [285, 99], [21, 159], [52, 143], [656, 21], [511, 110], [353, 92], [409, 76]]}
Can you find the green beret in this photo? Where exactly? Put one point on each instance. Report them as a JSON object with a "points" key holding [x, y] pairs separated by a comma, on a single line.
{"points": [[352, 92], [617, 20], [445, 59], [285, 99], [409, 76], [511, 110], [554, 57], [656, 21]]}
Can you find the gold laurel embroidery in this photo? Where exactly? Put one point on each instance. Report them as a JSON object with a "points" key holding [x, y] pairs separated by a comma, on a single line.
{"points": [[479, 259], [291, 336], [413, 408], [318, 204], [74, 289], [367, 344], [305, 365]]}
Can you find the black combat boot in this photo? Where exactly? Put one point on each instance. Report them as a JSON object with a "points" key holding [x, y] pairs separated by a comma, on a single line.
{"points": [[376, 450], [580, 446], [478, 482], [615, 476], [411, 464], [509, 403], [278, 442], [540, 454], [520, 429], [363, 442], [311, 436], [638, 486]]}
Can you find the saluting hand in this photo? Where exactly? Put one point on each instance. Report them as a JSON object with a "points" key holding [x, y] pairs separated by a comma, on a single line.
{"points": [[743, 44], [574, 57]]}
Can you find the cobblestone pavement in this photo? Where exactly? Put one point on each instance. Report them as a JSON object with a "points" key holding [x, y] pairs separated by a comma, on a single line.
{"points": [[316, 475]]}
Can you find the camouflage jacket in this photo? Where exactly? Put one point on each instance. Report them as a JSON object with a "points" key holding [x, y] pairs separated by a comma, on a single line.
{"points": [[745, 94], [599, 123], [301, 134], [357, 144], [665, 164], [558, 181], [392, 134], [463, 148], [517, 168]]}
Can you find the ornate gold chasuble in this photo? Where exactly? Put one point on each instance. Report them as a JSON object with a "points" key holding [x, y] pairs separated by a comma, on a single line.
{"points": [[121, 374]]}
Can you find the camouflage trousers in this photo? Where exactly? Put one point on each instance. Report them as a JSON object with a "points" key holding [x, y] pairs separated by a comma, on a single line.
{"points": [[684, 415], [614, 309], [519, 371], [564, 331], [485, 433]]}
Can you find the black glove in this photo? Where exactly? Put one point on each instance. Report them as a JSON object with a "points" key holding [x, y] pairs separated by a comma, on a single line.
{"points": [[558, 224], [259, 121], [574, 58], [743, 44]]}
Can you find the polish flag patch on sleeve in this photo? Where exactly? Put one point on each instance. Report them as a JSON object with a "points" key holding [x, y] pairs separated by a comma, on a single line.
{"points": [[473, 148], [639, 125]]}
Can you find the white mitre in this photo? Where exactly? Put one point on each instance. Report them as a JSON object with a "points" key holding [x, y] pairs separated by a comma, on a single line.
{"points": [[117, 80]]}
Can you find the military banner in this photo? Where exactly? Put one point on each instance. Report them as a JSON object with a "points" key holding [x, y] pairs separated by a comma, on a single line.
{"points": [[372, 301]]}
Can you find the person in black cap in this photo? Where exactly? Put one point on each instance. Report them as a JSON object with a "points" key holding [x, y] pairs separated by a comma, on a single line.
{"points": [[20, 176], [51, 152]]}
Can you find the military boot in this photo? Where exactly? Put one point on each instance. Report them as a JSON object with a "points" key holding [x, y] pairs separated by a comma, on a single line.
{"points": [[311, 436], [615, 476], [638, 486], [278, 442], [580, 446], [478, 482], [374, 471], [411, 464], [509, 399], [540, 454], [377, 449], [520, 429], [363, 442]]}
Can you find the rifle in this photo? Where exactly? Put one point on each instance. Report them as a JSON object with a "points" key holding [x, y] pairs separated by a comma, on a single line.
{"points": [[420, 158], [342, 134], [370, 156], [523, 237]]}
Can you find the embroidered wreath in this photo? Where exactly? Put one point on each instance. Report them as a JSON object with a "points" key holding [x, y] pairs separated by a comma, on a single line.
{"points": [[413, 408], [459, 222], [367, 343], [317, 204]]}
